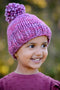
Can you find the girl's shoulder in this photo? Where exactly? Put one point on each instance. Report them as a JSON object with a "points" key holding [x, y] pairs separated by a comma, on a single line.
{"points": [[9, 76], [54, 84], [5, 79]]}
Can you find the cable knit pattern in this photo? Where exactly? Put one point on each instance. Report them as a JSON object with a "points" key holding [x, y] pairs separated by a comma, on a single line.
{"points": [[37, 81]]}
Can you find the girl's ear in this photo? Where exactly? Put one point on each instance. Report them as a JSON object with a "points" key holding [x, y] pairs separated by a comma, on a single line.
{"points": [[15, 54]]}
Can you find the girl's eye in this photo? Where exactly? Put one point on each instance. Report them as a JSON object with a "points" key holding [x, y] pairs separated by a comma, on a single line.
{"points": [[31, 46], [44, 45]]}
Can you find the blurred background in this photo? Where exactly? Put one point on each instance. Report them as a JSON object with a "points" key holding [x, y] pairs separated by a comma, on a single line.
{"points": [[49, 12]]}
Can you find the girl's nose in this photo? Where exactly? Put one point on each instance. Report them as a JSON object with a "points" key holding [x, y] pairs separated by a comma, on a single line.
{"points": [[39, 52]]}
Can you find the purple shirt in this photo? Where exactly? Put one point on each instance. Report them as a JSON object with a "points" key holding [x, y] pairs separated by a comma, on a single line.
{"points": [[38, 81]]}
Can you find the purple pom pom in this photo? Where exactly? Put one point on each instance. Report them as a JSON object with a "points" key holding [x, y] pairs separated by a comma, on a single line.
{"points": [[13, 10]]}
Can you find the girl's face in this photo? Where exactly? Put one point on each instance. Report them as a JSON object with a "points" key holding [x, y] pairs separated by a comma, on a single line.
{"points": [[32, 54]]}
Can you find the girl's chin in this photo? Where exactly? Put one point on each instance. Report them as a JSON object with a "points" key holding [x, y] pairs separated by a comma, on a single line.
{"points": [[36, 66]]}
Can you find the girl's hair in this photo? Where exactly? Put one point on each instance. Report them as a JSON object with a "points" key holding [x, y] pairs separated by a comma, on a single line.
{"points": [[23, 27]]}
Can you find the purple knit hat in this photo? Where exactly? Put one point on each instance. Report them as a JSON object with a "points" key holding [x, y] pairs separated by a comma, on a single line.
{"points": [[23, 27]]}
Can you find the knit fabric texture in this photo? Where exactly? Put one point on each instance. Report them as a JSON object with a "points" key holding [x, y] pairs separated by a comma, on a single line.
{"points": [[38, 81], [23, 27]]}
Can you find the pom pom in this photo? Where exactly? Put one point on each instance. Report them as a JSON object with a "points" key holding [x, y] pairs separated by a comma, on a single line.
{"points": [[13, 10]]}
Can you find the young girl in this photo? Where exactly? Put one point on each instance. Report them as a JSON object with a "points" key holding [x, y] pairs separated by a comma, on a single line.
{"points": [[28, 39]]}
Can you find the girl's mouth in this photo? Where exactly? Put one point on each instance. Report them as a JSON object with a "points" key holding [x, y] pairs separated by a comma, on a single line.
{"points": [[36, 60]]}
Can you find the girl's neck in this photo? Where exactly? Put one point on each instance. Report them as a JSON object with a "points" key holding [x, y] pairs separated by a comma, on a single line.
{"points": [[25, 70]]}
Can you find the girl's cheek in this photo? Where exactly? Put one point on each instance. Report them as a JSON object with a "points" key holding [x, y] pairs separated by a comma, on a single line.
{"points": [[46, 52]]}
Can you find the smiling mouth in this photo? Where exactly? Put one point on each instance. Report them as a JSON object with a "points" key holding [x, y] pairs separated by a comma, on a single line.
{"points": [[36, 60]]}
